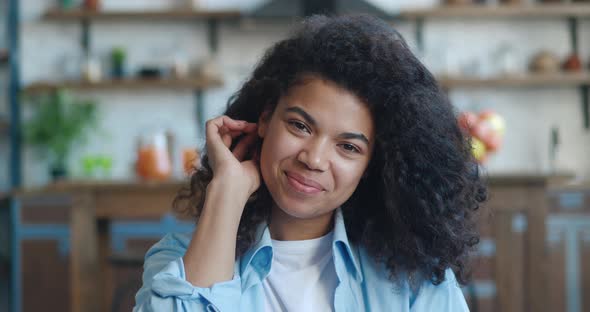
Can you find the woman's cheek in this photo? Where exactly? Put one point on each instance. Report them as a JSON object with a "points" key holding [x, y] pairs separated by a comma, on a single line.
{"points": [[347, 172]]}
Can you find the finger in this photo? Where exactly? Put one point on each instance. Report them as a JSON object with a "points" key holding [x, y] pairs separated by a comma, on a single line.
{"points": [[236, 133], [244, 145], [225, 124], [242, 125], [233, 123], [221, 130], [233, 133], [214, 133], [226, 138], [250, 127], [224, 132]]}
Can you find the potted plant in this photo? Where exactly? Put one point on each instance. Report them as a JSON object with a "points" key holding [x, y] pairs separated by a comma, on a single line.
{"points": [[58, 121], [118, 56]]}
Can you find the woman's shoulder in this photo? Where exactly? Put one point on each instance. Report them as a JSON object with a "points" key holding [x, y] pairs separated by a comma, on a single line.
{"points": [[423, 296], [446, 296]]}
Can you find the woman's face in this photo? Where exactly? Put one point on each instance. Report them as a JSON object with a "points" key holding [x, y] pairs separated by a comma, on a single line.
{"points": [[316, 147]]}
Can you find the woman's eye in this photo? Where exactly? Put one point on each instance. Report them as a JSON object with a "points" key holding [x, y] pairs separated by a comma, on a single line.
{"points": [[299, 126], [350, 148]]}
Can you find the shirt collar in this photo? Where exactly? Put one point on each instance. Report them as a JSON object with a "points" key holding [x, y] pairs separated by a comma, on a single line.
{"points": [[342, 245], [255, 263], [260, 249]]}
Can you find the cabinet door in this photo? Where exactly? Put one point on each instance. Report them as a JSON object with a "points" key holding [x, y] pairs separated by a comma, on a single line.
{"points": [[45, 276], [498, 275], [568, 242], [44, 245]]}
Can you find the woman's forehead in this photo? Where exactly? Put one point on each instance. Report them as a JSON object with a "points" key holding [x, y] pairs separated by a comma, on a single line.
{"points": [[326, 104]]}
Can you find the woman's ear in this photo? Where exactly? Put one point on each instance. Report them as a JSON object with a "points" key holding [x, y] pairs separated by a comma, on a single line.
{"points": [[263, 122]]}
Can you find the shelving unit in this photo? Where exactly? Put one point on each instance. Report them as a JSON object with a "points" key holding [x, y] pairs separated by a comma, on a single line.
{"points": [[85, 18], [529, 293], [60, 15], [494, 11], [10, 284], [128, 84], [524, 80], [12, 121], [570, 12]]}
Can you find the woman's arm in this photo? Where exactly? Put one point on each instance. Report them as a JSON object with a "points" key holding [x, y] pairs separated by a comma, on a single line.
{"points": [[210, 256], [197, 275], [165, 287], [211, 253]]}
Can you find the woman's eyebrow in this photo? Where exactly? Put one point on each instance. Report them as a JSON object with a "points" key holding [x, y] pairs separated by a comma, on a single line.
{"points": [[354, 136], [304, 114], [311, 121]]}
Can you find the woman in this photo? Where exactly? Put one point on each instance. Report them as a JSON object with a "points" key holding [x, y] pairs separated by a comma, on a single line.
{"points": [[338, 179]]}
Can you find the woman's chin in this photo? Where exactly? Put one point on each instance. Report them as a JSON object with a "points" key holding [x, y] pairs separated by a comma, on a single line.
{"points": [[300, 210]]}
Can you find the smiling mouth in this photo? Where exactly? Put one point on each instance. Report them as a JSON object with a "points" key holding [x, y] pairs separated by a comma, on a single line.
{"points": [[300, 187]]}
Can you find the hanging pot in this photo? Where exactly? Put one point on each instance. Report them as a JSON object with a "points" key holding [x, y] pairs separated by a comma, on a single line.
{"points": [[58, 172]]}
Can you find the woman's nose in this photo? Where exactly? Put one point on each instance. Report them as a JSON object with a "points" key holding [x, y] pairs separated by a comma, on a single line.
{"points": [[315, 155]]}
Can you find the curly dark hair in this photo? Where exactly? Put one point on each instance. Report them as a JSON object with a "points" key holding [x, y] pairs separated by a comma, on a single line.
{"points": [[415, 209]]}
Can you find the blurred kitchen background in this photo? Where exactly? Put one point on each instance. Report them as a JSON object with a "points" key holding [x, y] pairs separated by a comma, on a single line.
{"points": [[103, 102]]}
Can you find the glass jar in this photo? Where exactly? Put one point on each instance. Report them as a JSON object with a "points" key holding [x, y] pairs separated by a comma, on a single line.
{"points": [[153, 157]]}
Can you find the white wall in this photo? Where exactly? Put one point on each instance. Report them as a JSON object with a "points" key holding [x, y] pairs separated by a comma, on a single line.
{"points": [[529, 112]]}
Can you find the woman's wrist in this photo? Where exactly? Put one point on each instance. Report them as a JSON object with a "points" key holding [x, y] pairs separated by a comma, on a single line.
{"points": [[230, 187], [228, 197]]}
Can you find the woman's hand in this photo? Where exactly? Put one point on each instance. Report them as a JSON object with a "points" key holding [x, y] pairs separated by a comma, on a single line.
{"points": [[230, 168], [211, 254]]}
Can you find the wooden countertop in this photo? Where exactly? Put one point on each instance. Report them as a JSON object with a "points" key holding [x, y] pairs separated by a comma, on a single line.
{"points": [[529, 179], [138, 185], [68, 186]]}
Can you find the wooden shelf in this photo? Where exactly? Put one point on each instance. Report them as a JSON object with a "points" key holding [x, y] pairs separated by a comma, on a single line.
{"points": [[175, 14], [479, 11], [128, 84], [524, 80]]}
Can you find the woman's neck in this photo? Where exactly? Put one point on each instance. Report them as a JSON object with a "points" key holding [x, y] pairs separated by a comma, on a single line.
{"points": [[285, 227]]}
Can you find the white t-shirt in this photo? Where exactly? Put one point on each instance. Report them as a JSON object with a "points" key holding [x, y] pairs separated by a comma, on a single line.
{"points": [[302, 276]]}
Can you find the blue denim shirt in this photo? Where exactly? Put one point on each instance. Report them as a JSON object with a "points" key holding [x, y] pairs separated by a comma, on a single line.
{"points": [[363, 284]]}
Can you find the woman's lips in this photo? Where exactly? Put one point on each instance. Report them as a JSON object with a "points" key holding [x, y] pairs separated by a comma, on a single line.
{"points": [[302, 184]]}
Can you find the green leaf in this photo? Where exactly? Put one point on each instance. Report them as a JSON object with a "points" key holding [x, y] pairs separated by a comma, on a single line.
{"points": [[59, 120]]}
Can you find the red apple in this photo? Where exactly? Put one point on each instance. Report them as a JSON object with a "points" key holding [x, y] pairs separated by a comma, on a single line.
{"points": [[486, 130], [495, 121], [493, 142], [467, 120], [481, 130]]}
